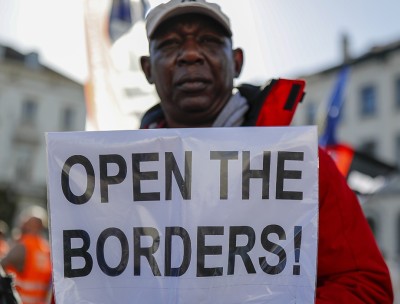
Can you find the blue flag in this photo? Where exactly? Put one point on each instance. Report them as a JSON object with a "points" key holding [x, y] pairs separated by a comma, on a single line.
{"points": [[124, 14], [334, 109], [120, 18]]}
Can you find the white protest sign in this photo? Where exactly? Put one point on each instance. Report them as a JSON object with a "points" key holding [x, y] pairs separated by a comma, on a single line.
{"points": [[219, 215]]}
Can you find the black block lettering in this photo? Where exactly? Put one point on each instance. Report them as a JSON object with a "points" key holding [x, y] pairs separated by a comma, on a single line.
{"points": [[241, 251], [146, 252], [112, 271], [273, 248], [223, 156], [90, 179], [203, 250], [105, 179], [171, 167], [187, 251], [82, 252], [283, 174], [247, 174], [139, 176]]}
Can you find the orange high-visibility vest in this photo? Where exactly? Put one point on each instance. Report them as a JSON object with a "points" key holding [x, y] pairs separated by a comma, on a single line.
{"points": [[3, 248], [34, 282]]}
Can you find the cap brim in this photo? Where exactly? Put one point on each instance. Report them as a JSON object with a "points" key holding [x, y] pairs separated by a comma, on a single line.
{"points": [[194, 8]]}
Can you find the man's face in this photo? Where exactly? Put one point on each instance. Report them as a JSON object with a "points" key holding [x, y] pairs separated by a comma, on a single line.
{"points": [[192, 65]]}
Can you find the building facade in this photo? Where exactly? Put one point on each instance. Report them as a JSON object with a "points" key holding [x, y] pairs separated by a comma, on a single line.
{"points": [[369, 122], [34, 99]]}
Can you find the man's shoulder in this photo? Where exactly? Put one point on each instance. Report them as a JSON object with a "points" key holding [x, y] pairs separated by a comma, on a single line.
{"points": [[152, 116], [274, 103]]}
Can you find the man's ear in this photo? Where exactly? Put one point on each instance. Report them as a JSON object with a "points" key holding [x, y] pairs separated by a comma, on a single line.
{"points": [[238, 58], [146, 68]]}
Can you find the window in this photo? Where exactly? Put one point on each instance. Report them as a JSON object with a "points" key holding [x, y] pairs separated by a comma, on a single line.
{"points": [[311, 113], [67, 119], [369, 147], [368, 101], [342, 110], [23, 162], [398, 231], [397, 92], [398, 151], [372, 224], [29, 111]]}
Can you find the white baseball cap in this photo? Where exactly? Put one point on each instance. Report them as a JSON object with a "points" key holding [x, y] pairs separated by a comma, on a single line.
{"points": [[174, 8]]}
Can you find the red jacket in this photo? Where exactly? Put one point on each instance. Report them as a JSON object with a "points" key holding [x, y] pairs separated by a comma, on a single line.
{"points": [[351, 268]]}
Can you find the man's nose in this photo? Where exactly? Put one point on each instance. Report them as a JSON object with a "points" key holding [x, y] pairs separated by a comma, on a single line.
{"points": [[190, 53]]}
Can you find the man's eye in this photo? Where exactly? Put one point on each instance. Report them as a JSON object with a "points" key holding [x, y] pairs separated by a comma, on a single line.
{"points": [[168, 43], [210, 40]]}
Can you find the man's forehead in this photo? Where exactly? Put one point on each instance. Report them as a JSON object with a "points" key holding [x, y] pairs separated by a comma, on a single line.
{"points": [[204, 22]]}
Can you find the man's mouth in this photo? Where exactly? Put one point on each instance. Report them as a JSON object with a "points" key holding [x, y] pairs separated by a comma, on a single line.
{"points": [[192, 84]]}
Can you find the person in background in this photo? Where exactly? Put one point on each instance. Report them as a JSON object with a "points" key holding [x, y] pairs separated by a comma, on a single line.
{"points": [[193, 65], [8, 294], [4, 247], [29, 259]]}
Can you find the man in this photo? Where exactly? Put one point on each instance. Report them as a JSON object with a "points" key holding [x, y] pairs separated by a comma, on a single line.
{"points": [[8, 294], [29, 259], [192, 66]]}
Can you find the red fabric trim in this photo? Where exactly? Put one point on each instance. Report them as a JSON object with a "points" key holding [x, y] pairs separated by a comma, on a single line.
{"points": [[273, 112], [342, 155]]}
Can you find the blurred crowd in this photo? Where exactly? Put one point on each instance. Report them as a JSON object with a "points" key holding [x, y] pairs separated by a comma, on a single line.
{"points": [[25, 258]]}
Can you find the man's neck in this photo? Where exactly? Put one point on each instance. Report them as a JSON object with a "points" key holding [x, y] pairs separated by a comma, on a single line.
{"points": [[188, 123], [173, 124]]}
